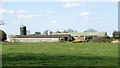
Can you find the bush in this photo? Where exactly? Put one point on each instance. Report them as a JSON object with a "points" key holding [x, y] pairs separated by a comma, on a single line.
{"points": [[101, 40], [3, 36]]}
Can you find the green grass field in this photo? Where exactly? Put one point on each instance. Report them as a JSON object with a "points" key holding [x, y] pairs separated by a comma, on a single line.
{"points": [[60, 54]]}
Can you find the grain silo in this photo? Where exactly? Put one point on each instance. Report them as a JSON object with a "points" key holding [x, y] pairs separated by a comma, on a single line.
{"points": [[22, 30]]}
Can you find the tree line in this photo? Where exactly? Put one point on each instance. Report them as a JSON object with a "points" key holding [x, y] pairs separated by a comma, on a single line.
{"points": [[116, 34], [65, 31], [46, 32]]}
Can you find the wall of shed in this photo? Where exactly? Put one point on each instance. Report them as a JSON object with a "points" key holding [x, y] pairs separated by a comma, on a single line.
{"points": [[34, 40]]}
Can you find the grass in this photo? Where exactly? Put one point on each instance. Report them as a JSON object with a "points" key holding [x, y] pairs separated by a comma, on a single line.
{"points": [[60, 54]]}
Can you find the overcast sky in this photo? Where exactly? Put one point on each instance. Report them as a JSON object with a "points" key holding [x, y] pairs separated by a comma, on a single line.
{"points": [[40, 16]]}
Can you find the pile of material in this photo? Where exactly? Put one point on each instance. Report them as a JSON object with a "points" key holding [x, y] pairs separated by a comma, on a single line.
{"points": [[79, 39], [117, 41], [15, 36]]}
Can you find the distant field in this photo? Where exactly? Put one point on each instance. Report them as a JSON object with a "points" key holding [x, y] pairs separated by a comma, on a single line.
{"points": [[60, 54]]}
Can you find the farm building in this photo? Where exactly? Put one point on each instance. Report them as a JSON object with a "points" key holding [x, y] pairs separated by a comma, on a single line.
{"points": [[54, 37], [85, 35], [41, 38], [23, 37]]}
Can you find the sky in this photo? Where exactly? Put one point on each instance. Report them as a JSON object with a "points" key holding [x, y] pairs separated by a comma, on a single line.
{"points": [[59, 0], [41, 16]]}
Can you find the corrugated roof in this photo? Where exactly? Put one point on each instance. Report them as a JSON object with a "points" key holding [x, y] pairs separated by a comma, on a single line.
{"points": [[83, 34]]}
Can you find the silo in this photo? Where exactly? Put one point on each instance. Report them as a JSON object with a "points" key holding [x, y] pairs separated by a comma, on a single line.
{"points": [[22, 30]]}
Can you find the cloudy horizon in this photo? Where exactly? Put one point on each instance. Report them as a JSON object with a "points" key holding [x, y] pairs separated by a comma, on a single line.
{"points": [[40, 16]]}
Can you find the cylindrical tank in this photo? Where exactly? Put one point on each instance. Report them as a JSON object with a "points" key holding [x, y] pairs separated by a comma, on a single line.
{"points": [[22, 30]]}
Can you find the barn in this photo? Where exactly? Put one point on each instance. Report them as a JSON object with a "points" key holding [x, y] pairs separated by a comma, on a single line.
{"points": [[85, 35], [41, 38]]}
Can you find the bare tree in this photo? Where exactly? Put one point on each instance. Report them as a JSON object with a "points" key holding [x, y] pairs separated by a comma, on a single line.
{"points": [[2, 22], [45, 32], [90, 30], [75, 30], [28, 32], [65, 31], [70, 30], [58, 32]]}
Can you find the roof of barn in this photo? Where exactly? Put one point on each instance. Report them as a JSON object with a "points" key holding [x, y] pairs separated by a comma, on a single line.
{"points": [[83, 34]]}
